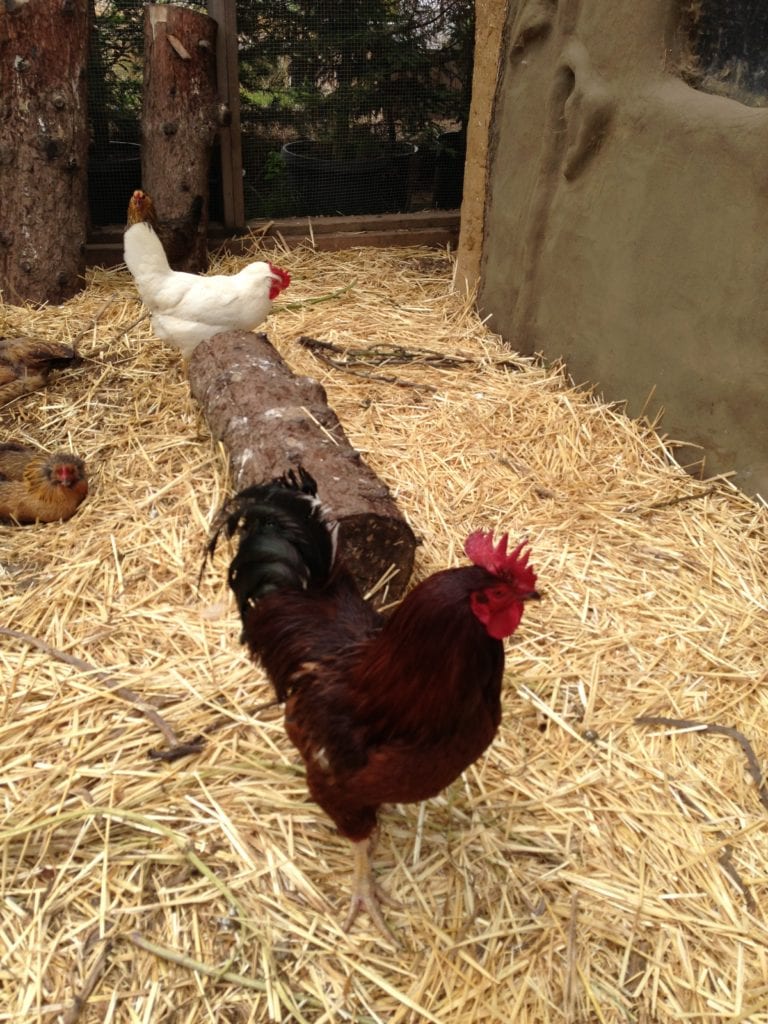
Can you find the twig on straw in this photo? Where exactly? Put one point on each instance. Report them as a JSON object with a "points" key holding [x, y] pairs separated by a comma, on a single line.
{"points": [[94, 320], [645, 510], [80, 999], [109, 681], [753, 765], [301, 303], [182, 960], [319, 350]]}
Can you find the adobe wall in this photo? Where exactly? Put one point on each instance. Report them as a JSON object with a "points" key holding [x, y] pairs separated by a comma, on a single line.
{"points": [[626, 223]]}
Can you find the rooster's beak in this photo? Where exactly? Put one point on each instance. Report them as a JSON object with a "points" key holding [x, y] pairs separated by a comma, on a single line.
{"points": [[534, 595]]}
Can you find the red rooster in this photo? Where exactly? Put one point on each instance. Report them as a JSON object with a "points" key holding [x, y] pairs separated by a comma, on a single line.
{"points": [[382, 710]]}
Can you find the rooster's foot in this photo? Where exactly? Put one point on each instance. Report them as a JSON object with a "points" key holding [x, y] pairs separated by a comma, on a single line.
{"points": [[366, 895]]}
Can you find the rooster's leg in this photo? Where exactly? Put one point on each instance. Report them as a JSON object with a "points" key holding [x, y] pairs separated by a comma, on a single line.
{"points": [[366, 895]]}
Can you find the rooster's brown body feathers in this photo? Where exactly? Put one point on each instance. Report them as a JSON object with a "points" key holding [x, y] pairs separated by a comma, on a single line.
{"points": [[382, 710]]}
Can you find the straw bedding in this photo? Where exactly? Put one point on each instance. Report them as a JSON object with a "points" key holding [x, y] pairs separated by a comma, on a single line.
{"points": [[589, 868]]}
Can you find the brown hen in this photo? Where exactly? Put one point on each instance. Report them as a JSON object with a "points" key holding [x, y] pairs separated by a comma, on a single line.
{"points": [[37, 487], [26, 363]]}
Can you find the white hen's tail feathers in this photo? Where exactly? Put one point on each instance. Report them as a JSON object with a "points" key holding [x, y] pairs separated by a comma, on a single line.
{"points": [[145, 257]]}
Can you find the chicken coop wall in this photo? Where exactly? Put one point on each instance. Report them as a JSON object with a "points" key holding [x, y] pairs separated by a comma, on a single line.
{"points": [[625, 219], [345, 108]]}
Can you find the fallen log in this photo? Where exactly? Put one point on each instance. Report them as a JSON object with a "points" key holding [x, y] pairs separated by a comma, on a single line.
{"points": [[271, 420]]}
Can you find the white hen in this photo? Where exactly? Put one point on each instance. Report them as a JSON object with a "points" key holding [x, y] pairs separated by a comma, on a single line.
{"points": [[188, 308]]}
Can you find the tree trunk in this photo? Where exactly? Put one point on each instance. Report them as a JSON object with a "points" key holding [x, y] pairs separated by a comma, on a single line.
{"points": [[179, 119], [271, 421], [43, 149]]}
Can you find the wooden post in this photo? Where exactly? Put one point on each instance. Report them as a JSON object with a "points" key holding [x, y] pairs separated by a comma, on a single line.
{"points": [[179, 118], [230, 139], [43, 150]]}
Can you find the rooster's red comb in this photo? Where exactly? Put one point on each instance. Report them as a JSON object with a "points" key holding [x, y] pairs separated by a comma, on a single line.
{"points": [[511, 565]]}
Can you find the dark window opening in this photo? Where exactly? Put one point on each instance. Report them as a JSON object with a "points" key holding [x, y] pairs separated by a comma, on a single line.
{"points": [[729, 49]]}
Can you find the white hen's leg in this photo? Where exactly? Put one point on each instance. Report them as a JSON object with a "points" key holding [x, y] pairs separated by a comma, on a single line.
{"points": [[366, 895]]}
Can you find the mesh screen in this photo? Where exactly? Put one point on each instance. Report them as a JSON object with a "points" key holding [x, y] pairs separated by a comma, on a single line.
{"points": [[729, 42], [347, 107]]}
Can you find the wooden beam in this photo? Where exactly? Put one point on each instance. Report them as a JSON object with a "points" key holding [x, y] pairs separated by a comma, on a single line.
{"points": [[428, 227], [333, 241], [230, 140]]}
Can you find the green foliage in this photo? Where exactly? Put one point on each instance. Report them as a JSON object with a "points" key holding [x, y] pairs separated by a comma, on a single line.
{"points": [[268, 192], [394, 67], [347, 72], [115, 69], [115, 72]]}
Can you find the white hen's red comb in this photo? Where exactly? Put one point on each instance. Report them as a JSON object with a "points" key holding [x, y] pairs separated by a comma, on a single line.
{"points": [[512, 565], [283, 275], [280, 281]]}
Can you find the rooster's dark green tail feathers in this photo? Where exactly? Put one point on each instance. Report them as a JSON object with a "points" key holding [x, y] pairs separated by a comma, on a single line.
{"points": [[285, 541]]}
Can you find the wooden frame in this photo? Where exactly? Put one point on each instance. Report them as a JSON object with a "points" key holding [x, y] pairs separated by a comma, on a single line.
{"points": [[225, 14], [426, 227]]}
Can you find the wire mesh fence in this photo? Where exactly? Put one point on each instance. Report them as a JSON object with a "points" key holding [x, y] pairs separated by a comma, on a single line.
{"points": [[347, 107], [729, 43]]}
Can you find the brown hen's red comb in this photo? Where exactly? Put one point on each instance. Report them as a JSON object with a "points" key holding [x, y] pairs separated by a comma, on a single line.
{"points": [[481, 550]]}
